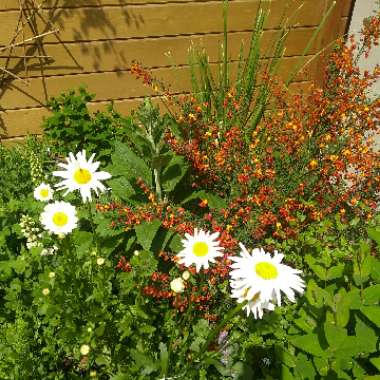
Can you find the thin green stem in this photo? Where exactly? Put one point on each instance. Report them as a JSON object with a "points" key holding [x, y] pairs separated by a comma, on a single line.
{"points": [[310, 43], [214, 333], [93, 230]]}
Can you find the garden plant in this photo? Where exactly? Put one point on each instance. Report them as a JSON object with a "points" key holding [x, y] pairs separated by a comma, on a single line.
{"points": [[232, 234]]}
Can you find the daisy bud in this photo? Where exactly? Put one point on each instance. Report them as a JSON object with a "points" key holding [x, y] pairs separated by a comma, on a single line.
{"points": [[186, 275], [46, 291], [100, 261], [136, 252], [84, 349], [177, 285], [51, 275]]}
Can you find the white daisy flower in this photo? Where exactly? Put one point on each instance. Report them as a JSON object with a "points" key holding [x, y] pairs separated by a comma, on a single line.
{"points": [[43, 192], [82, 175], [59, 218], [200, 249], [254, 305], [260, 275]]}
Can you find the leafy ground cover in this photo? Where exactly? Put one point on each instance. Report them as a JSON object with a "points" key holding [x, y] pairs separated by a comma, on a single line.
{"points": [[232, 237]]}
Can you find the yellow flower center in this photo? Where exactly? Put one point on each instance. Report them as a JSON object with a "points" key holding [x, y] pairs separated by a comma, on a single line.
{"points": [[266, 271], [200, 249], [44, 193], [60, 219], [82, 176]]}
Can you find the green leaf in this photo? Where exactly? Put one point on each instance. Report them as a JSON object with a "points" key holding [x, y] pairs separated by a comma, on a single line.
{"points": [[144, 361], [366, 338], [372, 313], [305, 367], [374, 234], [375, 268], [127, 163], [19, 265], [371, 294], [376, 362], [320, 271], [308, 343], [315, 295], [121, 188], [342, 304], [176, 243], [83, 241], [164, 358], [335, 335], [144, 264], [287, 358], [322, 366], [145, 233], [335, 272], [120, 376], [214, 201], [286, 374], [173, 173]]}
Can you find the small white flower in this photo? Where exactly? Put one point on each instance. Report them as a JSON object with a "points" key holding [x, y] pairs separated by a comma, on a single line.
{"points": [[186, 275], [260, 279], [200, 249], [136, 252], [51, 275], [266, 361], [84, 349], [46, 291], [43, 192], [100, 261], [59, 218], [47, 252], [177, 285], [82, 175]]}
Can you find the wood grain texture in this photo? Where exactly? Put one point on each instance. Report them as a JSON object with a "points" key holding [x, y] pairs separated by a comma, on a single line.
{"points": [[154, 20], [7, 5], [28, 121], [102, 37], [115, 85], [116, 55]]}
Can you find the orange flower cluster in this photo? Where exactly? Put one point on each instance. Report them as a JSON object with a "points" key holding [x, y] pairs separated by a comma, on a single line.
{"points": [[299, 165]]}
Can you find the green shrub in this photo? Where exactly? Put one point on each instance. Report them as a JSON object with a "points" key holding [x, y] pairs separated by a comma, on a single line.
{"points": [[72, 127]]}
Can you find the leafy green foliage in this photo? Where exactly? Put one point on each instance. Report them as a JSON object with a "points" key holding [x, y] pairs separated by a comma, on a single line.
{"points": [[335, 331], [73, 127], [144, 157], [20, 167]]}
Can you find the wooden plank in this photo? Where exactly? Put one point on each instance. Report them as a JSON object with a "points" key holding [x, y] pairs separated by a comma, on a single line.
{"points": [[14, 4], [347, 7], [113, 85], [343, 25], [105, 23], [28, 121], [101, 56], [8, 5]]}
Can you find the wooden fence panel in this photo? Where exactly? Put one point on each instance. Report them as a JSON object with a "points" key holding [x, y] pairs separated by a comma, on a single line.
{"points": [[98, 39]]}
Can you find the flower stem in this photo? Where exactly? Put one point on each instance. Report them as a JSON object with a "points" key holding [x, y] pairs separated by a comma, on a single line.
{"points": [[231, 314], [91, 219]]}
